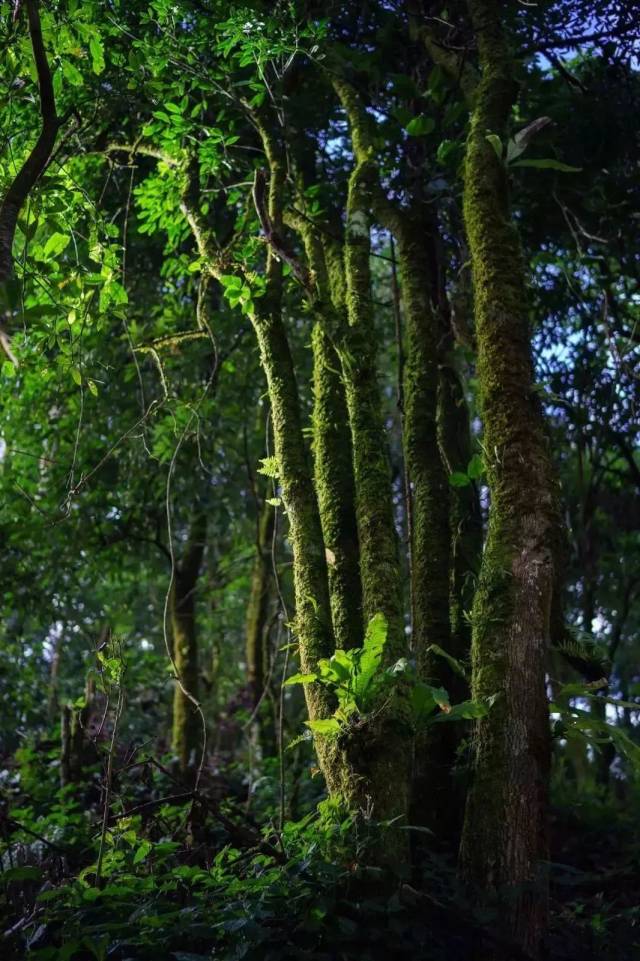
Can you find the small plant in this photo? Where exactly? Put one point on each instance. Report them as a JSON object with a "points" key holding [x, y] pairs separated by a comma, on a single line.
{"points": [[361, 685]]}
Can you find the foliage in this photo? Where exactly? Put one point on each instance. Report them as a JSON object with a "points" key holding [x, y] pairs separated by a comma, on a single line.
{"points": [[136, 398]]}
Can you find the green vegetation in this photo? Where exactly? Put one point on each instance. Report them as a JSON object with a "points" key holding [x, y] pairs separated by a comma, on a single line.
{"points": [[319, 484]]}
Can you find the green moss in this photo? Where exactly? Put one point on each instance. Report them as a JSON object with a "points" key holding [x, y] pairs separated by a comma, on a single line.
{"points": [[187, 726], [313, 621], [502, 848], [379, 567], [333, 471], [427, 472], [187, 729]]}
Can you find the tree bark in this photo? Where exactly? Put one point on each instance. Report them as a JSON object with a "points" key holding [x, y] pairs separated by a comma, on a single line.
{"points": [[187, 725], [504, 840], [38, 158], [258, 609], [333, 472]]}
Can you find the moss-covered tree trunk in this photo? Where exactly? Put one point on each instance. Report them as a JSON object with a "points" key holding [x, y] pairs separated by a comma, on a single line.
{"points": [[187, 725], [384, 752], [313, 614], [333, 471], [357, 348], [504, 840], [430, 535], [332, 448]]}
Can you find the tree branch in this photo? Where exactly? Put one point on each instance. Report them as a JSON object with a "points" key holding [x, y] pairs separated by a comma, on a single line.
{"points": [[37, 160]]}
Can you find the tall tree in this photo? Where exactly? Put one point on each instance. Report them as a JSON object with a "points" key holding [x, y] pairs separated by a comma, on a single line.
{"points": [[504, 844]]}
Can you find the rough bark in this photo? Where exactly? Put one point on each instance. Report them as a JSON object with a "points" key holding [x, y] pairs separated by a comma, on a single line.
{"points": [[431, 536], [332, 448], [333, 472], [357, 348], [504, 840], [382, 752], [187, 726]]}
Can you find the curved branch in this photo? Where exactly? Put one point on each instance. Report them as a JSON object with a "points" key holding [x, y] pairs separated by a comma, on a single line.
{"points": [[40, 155]]}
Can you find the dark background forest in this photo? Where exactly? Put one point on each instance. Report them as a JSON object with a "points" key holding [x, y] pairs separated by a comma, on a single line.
{"points": [[319, 480]]}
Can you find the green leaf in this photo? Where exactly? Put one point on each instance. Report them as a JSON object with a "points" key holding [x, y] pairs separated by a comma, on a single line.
{"points": [[371, 656], [269, 466], [327, 726], [96, 49], [422, 703], [300, 679], [445, 150], [496, 143], [142, 852], [475, 467], [453, 662], [420, 126], [76, 375], [548, 164], [464, 711], [23, 873], [459, 479], [230, 282], [342, 665], [71, 73], [56, 244]]}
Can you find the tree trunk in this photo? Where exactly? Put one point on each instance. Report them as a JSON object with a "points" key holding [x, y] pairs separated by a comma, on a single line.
{"points": [[187, 724], [333, 471], [258, 609], [431, 536], [382, 751], [76, 752], [504, 840]]}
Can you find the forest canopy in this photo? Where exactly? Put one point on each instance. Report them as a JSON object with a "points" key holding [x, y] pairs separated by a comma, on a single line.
{"points": [[319, 480]]}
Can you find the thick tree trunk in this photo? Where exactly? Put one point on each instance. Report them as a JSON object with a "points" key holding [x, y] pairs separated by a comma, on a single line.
{"points": [[504, 841], [187, 725]]}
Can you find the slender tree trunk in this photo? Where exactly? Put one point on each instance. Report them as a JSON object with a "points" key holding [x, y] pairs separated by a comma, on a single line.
{"points": [[187, 725], [75, 750], [332, 447], [464, 513], [53, 700], [258, 609], [333, 471], [432, 803], [357, 347], [504, 841]]}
